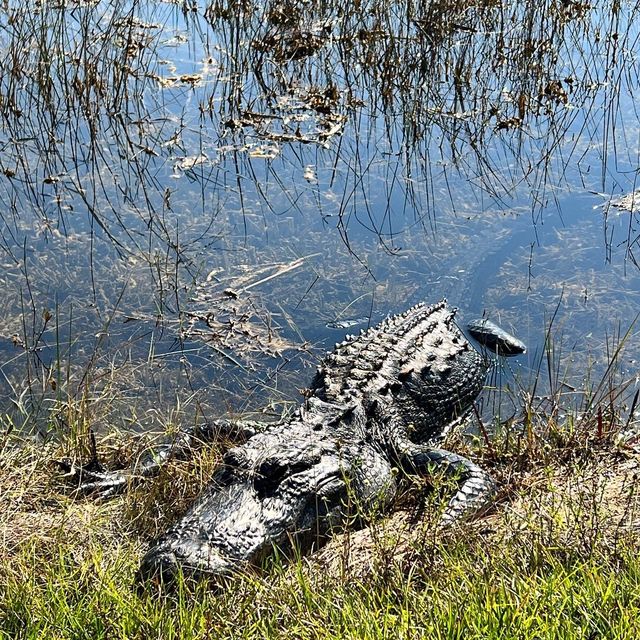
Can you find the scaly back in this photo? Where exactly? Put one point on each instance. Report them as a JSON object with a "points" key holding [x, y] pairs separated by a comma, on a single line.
{"points": [[419, 361]]}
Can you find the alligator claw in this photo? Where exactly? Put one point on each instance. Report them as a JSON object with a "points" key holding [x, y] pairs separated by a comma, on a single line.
{"points": [[88, 481]]}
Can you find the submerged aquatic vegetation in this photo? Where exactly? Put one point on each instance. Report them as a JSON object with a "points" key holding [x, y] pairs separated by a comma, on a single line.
{"points": [[155, 155]]}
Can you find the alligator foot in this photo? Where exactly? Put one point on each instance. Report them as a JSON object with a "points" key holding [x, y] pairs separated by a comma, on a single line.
{"points": [[474, 487], [93, 479], [87, 481]]}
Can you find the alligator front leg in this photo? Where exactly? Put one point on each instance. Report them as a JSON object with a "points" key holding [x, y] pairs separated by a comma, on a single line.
{"points": [[475, 487], [93, 479]]}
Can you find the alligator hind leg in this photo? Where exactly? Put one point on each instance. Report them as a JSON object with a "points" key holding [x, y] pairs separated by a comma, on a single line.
{"points": [[474, 487], [93, 479]]}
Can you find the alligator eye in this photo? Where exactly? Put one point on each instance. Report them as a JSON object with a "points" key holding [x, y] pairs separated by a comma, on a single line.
{"points": [[235, 458], [270, 474]]}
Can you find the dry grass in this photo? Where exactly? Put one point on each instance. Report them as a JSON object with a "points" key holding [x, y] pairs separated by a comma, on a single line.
{"points": [[583, 503]]}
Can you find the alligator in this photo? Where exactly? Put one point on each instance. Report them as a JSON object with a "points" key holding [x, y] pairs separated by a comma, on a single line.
{"points": [[375, 411]]}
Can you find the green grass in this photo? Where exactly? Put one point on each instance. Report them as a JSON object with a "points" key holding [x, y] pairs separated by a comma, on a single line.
{"points": [[471, 595], [558, 559]]}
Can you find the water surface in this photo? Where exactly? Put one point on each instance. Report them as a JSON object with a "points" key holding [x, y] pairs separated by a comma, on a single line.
{"points": [[192, 195]]}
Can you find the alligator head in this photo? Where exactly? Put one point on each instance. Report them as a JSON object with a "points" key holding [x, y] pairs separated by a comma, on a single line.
{"points": [[286, 487]]}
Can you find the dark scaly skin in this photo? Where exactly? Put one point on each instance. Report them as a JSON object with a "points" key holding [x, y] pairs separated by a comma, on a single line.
{"points": [[495, 338], [378, 402]]}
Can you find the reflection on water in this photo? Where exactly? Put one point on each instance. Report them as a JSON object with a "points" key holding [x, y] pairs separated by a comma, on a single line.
{"points": [[198, 200]]}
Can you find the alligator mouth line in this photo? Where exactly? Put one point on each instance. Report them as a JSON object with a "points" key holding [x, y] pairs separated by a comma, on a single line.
{"points": [[167, 566]]}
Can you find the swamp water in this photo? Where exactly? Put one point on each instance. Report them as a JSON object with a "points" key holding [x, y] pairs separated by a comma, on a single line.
{"points": [[195, 196]]}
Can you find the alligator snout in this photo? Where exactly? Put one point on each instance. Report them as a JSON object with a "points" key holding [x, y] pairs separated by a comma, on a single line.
{"points": [[166, 561], [161, 565]]}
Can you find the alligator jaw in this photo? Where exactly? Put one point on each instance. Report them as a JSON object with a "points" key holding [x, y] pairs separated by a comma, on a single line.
{"points": [[219, 535], [166, 562]]}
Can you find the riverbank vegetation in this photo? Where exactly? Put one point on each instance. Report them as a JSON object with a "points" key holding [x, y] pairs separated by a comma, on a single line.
{"points": [[557, 556]]}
